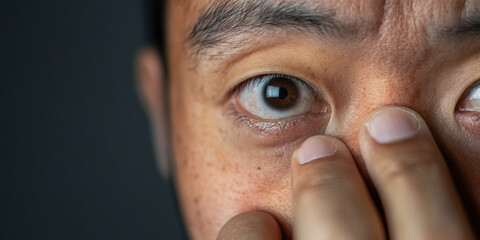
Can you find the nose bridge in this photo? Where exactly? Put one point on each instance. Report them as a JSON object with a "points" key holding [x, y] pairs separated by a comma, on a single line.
{"points": [[372, 90], [389, 74], [393, 70], [384, 88]]}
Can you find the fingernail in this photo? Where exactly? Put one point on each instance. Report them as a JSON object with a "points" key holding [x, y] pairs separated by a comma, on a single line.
{"points": [[393, 125], [314, 148]]}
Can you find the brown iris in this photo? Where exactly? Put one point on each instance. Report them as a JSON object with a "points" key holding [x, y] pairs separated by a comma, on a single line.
{"points": [[280, 93]]}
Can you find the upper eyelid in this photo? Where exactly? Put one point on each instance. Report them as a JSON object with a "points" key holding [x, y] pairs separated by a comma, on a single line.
{"points": [[467, 90], [253, 81], [460, 106]]}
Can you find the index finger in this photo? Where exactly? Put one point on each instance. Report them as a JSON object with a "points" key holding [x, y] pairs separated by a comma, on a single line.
{"points": [[330, 199]]}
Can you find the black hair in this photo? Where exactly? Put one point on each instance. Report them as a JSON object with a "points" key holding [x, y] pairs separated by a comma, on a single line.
{"points": [[157, 20]]}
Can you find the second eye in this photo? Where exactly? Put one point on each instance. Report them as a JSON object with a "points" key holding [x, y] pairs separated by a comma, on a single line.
{"points": [[276, 97]]}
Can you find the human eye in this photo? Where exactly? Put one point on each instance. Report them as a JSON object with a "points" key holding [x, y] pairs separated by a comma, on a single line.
{"points": [[278, 104], [468, 109], [273, 97]]}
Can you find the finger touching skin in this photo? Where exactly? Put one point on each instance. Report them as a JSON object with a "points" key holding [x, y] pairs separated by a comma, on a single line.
{"points": [[253, 225], [411, 177], [330, 199]]}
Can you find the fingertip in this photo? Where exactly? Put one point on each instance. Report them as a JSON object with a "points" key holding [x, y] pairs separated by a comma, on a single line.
{"points": [[318, 147], [391, 125], [254, 225]]}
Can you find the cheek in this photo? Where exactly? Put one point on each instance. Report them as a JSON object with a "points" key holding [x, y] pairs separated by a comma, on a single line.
{"points": [[218, 177]]}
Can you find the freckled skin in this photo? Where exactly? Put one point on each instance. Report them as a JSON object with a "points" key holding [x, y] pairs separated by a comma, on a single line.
{"points": [[220, 171]]}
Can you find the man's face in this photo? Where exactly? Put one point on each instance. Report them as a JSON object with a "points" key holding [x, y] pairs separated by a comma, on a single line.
{"points": [[250, 80]]}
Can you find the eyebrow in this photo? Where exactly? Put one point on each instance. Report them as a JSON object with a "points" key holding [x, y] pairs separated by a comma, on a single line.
{"points": [[223, 21]]}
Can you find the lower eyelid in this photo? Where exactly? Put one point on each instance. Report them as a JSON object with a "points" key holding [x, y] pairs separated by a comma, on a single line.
{"points": [[270, 128], [261, 127], [282, 131], [469, 121]]}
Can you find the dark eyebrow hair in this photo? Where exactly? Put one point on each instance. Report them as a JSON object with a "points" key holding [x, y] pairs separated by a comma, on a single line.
{"points": [[222, 21]]}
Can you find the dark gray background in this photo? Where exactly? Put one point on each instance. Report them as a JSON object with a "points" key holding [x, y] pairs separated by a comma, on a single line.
{"points": [[76, 158]]}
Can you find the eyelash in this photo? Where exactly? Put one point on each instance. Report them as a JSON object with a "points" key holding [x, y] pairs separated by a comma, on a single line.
{"points": [[257, 79], [267, 127], [270, 127]]}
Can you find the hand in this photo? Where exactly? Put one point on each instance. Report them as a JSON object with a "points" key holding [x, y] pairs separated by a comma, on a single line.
{"points": [[331, 200]]}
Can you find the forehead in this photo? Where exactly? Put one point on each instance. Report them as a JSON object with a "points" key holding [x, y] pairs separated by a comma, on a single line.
{"points": [[419, 21], [387, 26], [373, 10]]}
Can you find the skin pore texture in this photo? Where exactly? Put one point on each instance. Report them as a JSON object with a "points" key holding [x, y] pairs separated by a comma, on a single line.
{"points": [[388, 52]]}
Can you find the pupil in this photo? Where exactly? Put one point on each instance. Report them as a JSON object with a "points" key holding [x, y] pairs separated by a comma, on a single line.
{"points": [[281, 93]]}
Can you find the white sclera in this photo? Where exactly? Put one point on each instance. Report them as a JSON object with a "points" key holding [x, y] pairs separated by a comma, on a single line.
{"points": [[473, 100]]}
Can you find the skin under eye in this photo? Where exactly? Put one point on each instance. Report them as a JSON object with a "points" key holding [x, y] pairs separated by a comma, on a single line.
{"points": [[468, 109], [273, 97]]}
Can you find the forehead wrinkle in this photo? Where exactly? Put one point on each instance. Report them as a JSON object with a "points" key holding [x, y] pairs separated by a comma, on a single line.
{"points": [[230, 24], [416, 26], [247, 30], [470, 6]]}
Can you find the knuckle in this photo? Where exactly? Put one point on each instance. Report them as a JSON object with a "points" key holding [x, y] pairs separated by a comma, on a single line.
{"points": [[311, 188], [391, 166]]}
